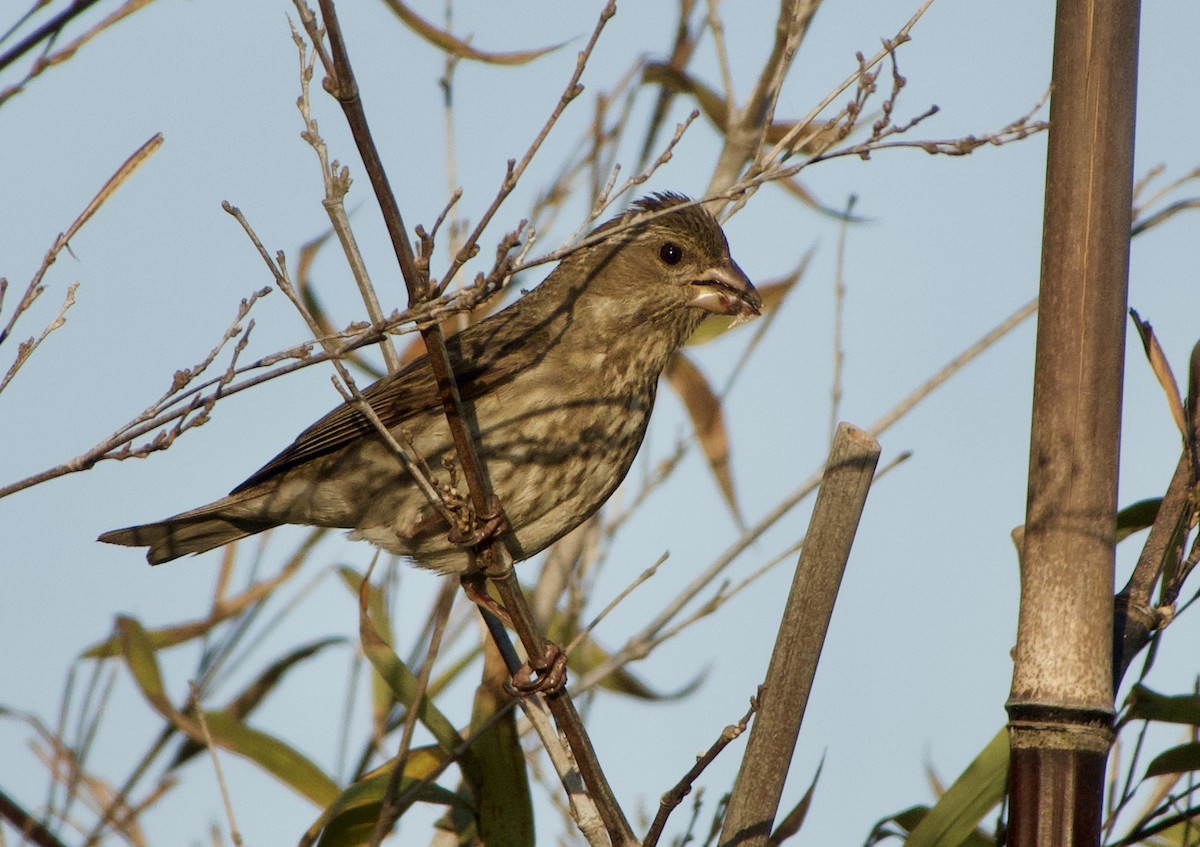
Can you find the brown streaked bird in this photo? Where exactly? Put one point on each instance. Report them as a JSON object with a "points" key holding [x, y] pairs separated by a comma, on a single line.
{"points": [[557, 387]]}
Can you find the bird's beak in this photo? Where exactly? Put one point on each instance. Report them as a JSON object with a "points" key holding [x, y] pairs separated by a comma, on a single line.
{"points": [[726, 290]]}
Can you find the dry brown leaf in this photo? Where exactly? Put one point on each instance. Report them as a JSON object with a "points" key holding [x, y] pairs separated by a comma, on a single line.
{"points": [[1162, 370], [711, 103], [704, 408], [445, 41], [793, 187], [815, 139]]}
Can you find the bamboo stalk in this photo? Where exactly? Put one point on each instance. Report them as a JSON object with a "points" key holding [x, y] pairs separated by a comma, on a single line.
{"points": [[1061, 704]]}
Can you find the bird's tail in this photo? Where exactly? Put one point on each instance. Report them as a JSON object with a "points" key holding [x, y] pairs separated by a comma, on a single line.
{"points": [[190, 532]]}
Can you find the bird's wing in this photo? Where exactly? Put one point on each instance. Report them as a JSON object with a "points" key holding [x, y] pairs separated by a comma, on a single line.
{"points": [[478, 368]]}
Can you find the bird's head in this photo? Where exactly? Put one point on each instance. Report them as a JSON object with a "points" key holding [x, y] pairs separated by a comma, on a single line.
{"points": [[684, 247], [666, 258]]}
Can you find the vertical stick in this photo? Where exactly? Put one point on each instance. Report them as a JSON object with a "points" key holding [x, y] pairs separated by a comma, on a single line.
{"points": [[1060, 707], [784, 695]]}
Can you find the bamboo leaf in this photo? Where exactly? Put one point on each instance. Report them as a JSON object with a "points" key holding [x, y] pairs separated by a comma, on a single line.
{"points": [[813, 139], [793, 187], [956, 814], [400, 680], [1162, 370], [376, 609], [1181, 759], [350, 819], [158, 638], [794, 819], [246, 702], [911, 818], [278, 758], [222, 610], [673, 79], [504, 804], [138, 652], [1136, 517], [589, 654], [1144, 704]]}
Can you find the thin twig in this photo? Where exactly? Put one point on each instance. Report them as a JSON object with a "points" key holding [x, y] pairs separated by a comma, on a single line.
{"points": [[126, 170], [337, 185], [26, 348], [724, 592], [672, 798], [645, 575], [390, 809], [50, 31], [839, 310], [516, 169], [635, 645], [746, 128], [717, 27], [235, 833]]}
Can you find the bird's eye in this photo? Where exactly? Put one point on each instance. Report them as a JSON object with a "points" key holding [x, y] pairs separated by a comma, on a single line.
{"points": [[671, 253]]}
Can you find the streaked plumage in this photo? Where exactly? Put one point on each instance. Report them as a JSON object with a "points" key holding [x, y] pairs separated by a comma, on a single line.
{"points": [[558, 388]]}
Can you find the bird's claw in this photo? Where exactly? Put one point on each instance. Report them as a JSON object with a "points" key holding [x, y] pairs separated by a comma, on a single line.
{"points": [[549, 675], [548, 679], [485, 527]]}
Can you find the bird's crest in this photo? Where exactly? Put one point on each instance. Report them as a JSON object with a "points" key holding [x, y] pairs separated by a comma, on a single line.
{"points": [[694, 219]]}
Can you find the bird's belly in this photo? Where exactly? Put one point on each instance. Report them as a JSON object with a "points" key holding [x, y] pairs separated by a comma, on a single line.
{"points": [[551, 468]]}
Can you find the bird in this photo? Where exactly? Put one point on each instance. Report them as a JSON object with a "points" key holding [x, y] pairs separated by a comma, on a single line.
{"points": [[557, 389]]}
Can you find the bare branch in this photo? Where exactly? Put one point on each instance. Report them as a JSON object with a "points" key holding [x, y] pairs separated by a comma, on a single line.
{"points": [[50, 30], [516, 169], [126, 170], [337, 184], [672, 798], [26, 348]]}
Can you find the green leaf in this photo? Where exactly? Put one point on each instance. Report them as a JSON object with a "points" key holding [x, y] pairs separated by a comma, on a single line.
{"points": [[278, 758], [794, 819], [400, 680], [1137, 516], [954, 817], [381, 696], [1181, 759], [138, 652], [350, 819], [498, 773], [246, 702], [911, 818], [156, 638], [1144, 704]]}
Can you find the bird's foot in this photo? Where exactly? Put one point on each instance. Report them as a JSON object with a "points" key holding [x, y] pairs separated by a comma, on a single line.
{"points": [[484, 527], [475, 587], [547, 677]]}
